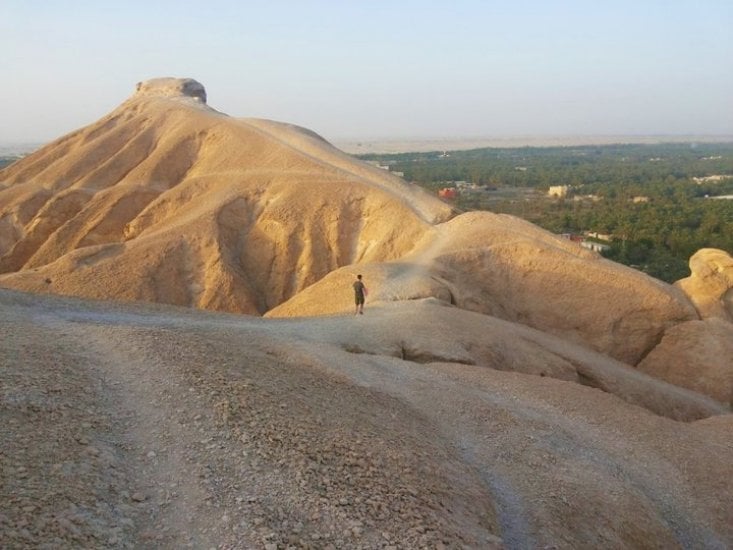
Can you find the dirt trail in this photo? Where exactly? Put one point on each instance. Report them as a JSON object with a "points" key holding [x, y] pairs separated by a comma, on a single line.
{"points": [[149, 426], [144, 393]]}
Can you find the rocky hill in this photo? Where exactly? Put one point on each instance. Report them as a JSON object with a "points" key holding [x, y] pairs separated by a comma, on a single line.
{"points": [[168, 200], [501, 381]]}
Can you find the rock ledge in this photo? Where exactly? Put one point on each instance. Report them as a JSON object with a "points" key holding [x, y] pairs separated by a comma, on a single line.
{"points": [[172, 87]]}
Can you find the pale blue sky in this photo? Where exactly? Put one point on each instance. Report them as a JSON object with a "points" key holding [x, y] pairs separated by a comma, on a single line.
{"points": [[380, 68]]}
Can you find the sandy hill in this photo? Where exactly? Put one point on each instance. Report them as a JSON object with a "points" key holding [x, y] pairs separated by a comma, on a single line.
{"points": [[505, 267], [501, 381], [166, 199]]}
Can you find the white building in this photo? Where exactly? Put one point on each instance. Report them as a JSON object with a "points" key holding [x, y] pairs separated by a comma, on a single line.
{"points": [[596, 247], [711, 179], [558, 191]]}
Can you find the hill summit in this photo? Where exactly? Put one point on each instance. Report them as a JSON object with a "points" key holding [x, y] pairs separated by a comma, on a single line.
{"points": [[172, 87]]}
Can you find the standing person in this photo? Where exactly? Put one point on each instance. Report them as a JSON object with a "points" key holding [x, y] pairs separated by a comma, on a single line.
{"points": [[360, 292]]}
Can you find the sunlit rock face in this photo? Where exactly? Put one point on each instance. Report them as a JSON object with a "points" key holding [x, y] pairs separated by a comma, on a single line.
{"points": [[710, 285], [506, 267]]}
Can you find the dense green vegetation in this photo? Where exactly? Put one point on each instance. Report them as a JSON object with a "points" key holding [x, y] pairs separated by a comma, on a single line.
{"points": [[672, 217]]}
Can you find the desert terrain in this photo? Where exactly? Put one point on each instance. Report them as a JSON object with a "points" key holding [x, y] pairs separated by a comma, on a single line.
{"points": [[180, 365], [390, 145]]}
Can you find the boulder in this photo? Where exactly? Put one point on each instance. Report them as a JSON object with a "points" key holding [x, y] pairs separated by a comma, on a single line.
{"points": [[697, 355], [710, 285]]}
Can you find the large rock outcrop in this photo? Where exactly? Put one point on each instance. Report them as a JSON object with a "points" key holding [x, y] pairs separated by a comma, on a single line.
{"points": [[710, 285], [172, 87], [508, 268], [429, 331]]}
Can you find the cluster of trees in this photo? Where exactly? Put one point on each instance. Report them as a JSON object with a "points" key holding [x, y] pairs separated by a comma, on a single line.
{"points": [[657, 236], [582, 165]]}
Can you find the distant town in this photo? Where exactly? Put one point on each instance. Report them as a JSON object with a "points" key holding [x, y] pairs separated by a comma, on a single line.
{"points": [[649, 206]]}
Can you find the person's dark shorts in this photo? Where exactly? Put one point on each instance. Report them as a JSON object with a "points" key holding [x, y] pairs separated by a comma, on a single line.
{"points": [[359, 298]]}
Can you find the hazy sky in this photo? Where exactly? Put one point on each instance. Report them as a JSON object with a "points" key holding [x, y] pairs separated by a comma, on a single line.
{"points": [[379, 68]]}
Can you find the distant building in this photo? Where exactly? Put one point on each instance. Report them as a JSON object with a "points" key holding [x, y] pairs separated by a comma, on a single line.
{"points": [[464, 185], [711, 179], [594, 198], [447, 193], [596, 247], [558, 191], [377, 164]]}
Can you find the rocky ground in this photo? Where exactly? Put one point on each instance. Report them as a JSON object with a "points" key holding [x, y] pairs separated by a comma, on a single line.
{"points": [[129, 427], [118, 435]]}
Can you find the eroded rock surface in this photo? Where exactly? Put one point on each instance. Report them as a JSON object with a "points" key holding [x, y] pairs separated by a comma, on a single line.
{"points": [[506, 267]]}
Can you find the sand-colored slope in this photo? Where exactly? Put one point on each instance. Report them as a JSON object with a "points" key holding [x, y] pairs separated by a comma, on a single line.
{"points": [[509, 268], [244, 213], [203, 429]]}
